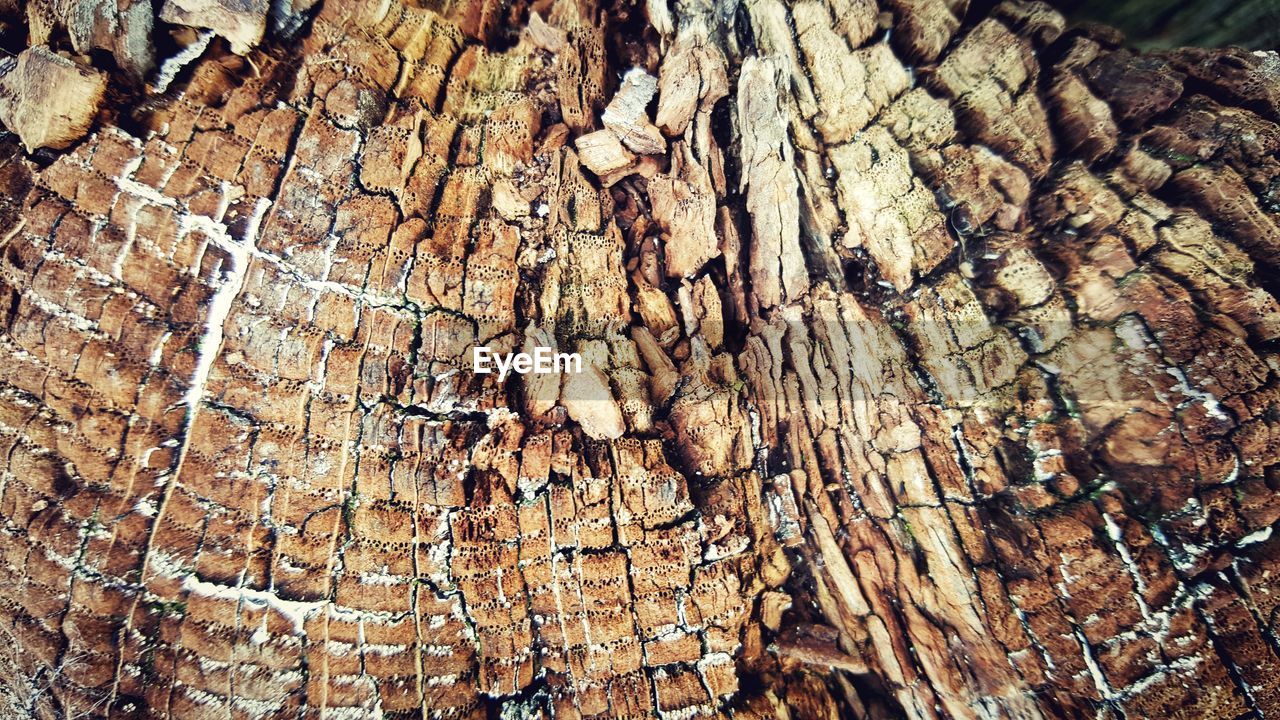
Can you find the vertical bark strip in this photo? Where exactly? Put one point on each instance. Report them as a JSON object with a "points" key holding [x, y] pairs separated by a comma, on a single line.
{"points": [[930, 369]]}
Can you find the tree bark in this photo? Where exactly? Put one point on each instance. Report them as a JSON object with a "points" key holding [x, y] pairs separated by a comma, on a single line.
{"points": [[930, 371]]}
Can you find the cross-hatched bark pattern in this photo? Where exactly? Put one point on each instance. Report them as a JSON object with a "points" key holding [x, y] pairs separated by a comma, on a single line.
{"points": [[332, 518], [928, 373]]}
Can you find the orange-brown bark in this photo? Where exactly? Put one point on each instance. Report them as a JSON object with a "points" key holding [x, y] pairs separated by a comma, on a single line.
{"points": [[928, 373]]}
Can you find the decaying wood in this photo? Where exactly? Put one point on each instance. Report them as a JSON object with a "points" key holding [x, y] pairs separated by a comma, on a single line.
{"points": [[120, 27], [930, 368], [127, 29], [241, 23], [47, 100]]}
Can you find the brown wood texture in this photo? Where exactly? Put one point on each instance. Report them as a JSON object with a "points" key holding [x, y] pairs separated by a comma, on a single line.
{"points": [[931, 365]]}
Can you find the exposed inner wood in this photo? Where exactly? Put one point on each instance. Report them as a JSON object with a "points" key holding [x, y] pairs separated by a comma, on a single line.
{"points": [[930, 366]]}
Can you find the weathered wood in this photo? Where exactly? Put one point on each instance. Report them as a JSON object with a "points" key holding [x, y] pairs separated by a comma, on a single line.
{"points": [[928, 373], [47, 100]]}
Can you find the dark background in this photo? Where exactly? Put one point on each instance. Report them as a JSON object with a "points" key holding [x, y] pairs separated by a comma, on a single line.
{"points": [[1150, 24]]}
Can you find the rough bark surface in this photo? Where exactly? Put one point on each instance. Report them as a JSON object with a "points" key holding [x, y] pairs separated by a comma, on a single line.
{"points": [[930, 371]]}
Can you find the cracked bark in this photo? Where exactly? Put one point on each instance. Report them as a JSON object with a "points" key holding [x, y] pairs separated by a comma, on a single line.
{"points": [[929, 372]]}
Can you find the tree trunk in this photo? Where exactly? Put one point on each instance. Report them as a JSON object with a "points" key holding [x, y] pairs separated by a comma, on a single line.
{"points": [[929, 370]]}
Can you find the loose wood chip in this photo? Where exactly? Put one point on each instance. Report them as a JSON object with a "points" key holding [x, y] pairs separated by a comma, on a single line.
{"points": [[48, 100], [602, 153], [591, 404], [626, 114], [241, 22]]}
